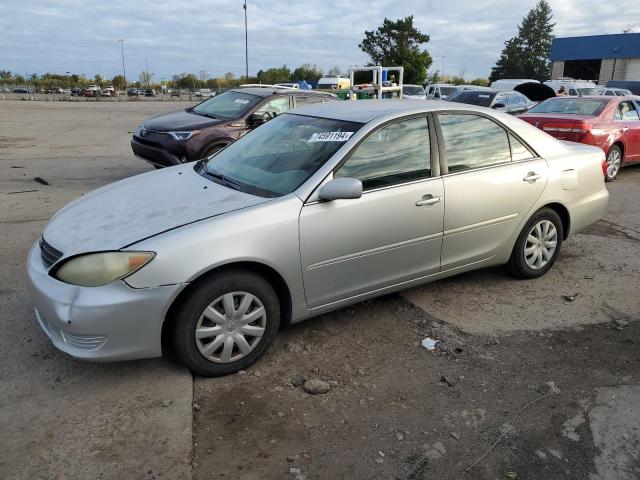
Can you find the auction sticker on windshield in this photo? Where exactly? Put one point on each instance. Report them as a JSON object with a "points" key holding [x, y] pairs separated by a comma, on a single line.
{"points": [[330, 137], [241, 100]]}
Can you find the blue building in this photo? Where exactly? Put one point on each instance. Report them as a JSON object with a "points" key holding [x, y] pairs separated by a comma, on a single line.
{"points": [[599, 57]]}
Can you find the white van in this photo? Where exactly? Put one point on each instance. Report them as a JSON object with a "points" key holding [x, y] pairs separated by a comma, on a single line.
{"points": [[576, 88], [508, 84], [333, 83]]}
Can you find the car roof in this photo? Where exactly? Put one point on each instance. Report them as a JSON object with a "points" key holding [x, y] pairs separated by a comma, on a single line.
{"points": [[363, 111], [267, 92]]}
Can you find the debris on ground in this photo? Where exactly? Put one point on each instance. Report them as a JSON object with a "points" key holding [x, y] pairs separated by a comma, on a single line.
{"points": [[448, 380], [316, 387], [455, 435], [413, 467], [429, 343], [41, 181], [298, 380], [22, 191], [570, 298]]}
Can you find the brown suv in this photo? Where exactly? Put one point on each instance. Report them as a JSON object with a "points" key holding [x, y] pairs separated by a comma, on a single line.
{"points": [[177, 137]]}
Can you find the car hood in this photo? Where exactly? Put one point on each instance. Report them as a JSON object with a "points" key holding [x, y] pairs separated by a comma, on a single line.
{"points": [[180, 120], [139, 207]]}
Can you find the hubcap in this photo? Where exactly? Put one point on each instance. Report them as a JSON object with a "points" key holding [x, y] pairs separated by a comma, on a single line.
{"points": [[541, 244], [230, 327], [614, 159]]}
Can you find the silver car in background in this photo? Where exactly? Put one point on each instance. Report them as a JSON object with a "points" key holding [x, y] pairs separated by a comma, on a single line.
{"points": [[317, 209]]}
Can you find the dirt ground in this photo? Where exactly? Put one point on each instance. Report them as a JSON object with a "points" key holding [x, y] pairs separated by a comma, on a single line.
{"points": [[523, 379]]}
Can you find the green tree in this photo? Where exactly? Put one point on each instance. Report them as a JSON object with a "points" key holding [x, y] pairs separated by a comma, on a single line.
{"points": [[399, 44], [118, 82], [5, 74], [527, 54], [307, 72], [275, 75]]}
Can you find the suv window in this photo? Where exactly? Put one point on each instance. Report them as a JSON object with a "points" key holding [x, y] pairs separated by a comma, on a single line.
{"points": [[626, 111], [394, 154], [472, 141], [275, 106]]}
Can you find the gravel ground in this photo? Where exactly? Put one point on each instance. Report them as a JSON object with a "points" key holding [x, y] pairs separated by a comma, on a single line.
{"points": [[522, 380]]}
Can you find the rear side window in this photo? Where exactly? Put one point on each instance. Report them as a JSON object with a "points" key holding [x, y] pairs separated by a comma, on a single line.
{"points": [[626, 111], [307, 99], [472, 142], [518, 150], [397, 153]]}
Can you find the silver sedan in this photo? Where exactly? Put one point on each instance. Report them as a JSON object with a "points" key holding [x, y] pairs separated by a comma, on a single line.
{"points": [[317, 209]]}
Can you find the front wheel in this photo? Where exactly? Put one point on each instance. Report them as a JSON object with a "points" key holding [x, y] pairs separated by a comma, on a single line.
{"points": [[537, 246], [226, 323], [614, 161]]}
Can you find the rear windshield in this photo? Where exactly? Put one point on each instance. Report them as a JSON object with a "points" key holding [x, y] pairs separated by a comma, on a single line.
{"points": [[227, 105], [480, 98], [411, 90], [572, 106], [446, 91]]}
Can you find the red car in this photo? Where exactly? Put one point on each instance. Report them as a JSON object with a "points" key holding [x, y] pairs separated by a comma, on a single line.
{"points": [[611, 123]]}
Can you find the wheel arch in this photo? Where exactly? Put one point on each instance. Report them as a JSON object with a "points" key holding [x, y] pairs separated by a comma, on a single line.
{"points": [[619, 143], [270, 274], [564, 215]]}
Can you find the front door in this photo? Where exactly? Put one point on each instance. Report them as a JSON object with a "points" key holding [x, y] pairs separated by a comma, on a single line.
{"points": [[392, 234], [492, 183], [628, 116]]}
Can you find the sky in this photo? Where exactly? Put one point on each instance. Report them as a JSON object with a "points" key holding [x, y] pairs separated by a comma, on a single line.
{"points": [[208, 35]]}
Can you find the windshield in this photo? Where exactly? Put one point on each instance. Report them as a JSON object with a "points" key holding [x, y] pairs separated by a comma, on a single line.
{"points": [[446, 91], [227, 105], [572, 106], [279, 156], [411, 90], [473, 98], [588, 91]]}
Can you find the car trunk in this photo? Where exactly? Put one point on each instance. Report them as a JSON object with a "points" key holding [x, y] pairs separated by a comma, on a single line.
{"points": [[568, 127]]}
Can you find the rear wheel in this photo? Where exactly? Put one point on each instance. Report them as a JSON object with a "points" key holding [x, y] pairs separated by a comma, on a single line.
{"points": [[226, 323], [537, 246], [614, 161]]}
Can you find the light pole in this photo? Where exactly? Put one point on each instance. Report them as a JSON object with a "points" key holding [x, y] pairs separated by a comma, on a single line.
{"points": [[124, 73], [246, 44], [69, 79]]}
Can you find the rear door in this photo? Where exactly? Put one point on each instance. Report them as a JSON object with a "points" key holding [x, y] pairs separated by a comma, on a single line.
{"points": [[491, 182]]}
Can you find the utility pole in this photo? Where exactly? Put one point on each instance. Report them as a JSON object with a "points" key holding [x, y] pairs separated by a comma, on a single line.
{"points": [[246, 44], [124, 73]]}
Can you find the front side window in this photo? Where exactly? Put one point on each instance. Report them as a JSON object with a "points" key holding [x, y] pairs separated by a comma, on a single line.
{"points": [[274, 107], [472, 142], [279, 156], [394, 154]]}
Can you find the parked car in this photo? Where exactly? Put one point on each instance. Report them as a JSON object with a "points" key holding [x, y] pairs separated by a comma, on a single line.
{"points": [[413, 92], [200, 131], [317, 209], [21, 90], [77, 92], [204, 92], [132, 92], [632, 85], [611, 123], [440, 91], [175, 93], [149, 92], [614, 92], [578, 88], [509, 102], [92, 91], [109, 92]]}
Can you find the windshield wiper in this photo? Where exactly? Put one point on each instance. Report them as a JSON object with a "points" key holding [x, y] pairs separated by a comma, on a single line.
{"points": [[229, 182]]}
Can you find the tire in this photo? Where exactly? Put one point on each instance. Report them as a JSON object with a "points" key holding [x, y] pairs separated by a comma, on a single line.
{"points": [[532, 258], [614, 162], [210, 296]]}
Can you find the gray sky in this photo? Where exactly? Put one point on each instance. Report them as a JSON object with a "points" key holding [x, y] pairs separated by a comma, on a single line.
{"points": [[82, 36]]}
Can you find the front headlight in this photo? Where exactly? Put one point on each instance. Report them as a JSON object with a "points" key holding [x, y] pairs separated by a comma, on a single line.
{"points": [[183, 135], [97, 269]]}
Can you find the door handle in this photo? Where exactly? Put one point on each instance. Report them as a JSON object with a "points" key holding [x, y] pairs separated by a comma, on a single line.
{"points": [[625, 129], [427, 200], [532, 177]]}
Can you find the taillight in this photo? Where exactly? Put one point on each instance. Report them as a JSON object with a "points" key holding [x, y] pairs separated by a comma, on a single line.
{"points": [[573, 133]]}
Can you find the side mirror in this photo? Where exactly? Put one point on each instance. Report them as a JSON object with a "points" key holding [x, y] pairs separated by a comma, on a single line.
{"points": [[256, 119], [499, 105], [341, 188]]}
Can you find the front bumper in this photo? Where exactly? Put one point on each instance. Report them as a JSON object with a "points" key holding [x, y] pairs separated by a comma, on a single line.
{"points": [[109, 323], [154, 154]]}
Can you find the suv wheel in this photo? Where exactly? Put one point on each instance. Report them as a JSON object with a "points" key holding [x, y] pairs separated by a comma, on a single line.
{"points": [[226, 323]]}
